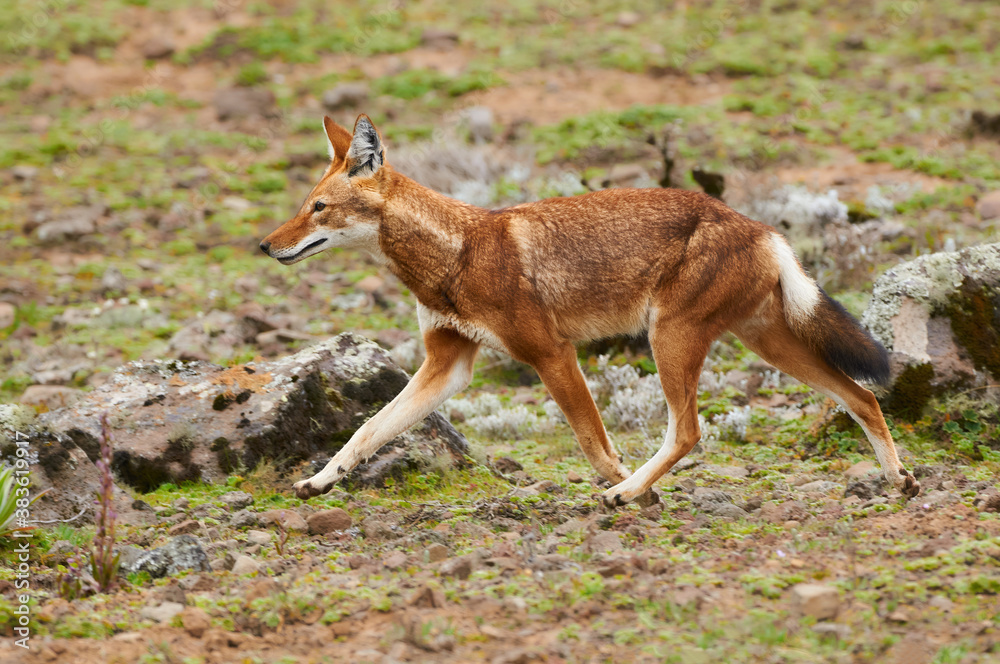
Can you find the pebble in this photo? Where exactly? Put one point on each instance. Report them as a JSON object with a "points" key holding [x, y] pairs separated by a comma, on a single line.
{"points": [[604, 541], [236, 500], [184, 527], [436, 553], [259, 537], [816, 600], [328, 521], [245, 565], [243, 519], [163, 613], [291, 520], [195, 621]]}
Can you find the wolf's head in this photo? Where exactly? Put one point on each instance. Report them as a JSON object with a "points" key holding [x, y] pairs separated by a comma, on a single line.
{"points": [[344, 207]]}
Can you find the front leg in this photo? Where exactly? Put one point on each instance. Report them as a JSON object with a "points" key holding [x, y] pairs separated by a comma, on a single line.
{"points": [[447, 369]]}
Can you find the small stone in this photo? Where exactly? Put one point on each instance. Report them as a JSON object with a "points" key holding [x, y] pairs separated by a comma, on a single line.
{"points": [[536, 489], [24, 172], [686, 484], [436, 553], [480, 120], [243, 519], [371, 284], [196, 622], [832, 629], [627, 19], [574, 477], [617, 566], [50, 396], [65, 229], [604, 541], [820, 486], [328, 521], [735, 472], [345, 95], [198, 583], [460, 567], [817, 600], [259, 537], [941, 602], [395, 560], [782, 512], [245, 565], [439, 38], [428, 597], [244, 102], [859, 470], [507, 465], [899, 616], [624, 174], [181, 553], [375, 528], [8, 313], [652, 512], [291, 520], [163, 613], [989, 205], [281, 336], [184, 528], [113, 281], [158, 46], [515, 603], [236, 500], [990, 503], [262, 587]]}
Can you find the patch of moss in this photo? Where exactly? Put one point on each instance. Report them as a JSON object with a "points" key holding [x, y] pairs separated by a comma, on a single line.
{"points": [[975, 319], [911, 392], [377, 390]]}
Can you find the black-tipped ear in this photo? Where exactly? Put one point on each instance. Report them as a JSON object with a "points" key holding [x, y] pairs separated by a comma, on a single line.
{"points": [[338, 139], [366, 155]]}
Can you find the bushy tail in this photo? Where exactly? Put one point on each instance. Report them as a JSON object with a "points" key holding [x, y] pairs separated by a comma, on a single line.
{"points": [[823, 324]]}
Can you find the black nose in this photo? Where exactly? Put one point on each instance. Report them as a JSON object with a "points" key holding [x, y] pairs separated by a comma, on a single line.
{"points": [[266, 247]]}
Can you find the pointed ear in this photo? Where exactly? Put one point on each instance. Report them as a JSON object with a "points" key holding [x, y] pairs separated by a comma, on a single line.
{"points": [[338, 139], [366, 155]]}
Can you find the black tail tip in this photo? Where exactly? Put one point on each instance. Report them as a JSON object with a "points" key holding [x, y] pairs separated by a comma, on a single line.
{"points": [[850, 347]]}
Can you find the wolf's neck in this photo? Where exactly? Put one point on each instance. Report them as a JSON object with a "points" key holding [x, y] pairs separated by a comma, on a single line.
{"points": [[421, 236]]}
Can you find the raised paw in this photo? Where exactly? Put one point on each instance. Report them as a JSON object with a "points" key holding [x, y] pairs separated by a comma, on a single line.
{"points": [[613, 500], [306, 490], [910, 486]]}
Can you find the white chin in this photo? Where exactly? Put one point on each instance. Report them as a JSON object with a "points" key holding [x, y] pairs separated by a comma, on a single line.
{"points": [[310, 250]]}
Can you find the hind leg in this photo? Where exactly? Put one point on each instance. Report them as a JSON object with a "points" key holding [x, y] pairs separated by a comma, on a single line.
{"points": [[772, 340], [560, 372], [679, 349]]}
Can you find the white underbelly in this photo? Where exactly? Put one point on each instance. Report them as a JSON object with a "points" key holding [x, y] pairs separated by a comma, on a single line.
{"points": [[431, 320]]}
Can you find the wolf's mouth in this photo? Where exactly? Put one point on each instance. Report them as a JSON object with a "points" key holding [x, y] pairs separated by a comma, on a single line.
{"points": [[306, 249]]}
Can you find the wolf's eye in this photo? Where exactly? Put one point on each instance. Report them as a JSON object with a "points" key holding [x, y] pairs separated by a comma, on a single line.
{"points": [[319, 206]]}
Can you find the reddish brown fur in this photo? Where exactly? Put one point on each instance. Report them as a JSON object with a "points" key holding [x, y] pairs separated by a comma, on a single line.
{"points": [[535, 278]]}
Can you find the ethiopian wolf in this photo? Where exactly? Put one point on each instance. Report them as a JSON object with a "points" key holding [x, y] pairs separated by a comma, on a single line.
{"points": [[533, 279]]}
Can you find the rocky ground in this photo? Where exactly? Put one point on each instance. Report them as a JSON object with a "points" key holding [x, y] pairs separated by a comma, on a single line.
{"points": [[148, 146]]}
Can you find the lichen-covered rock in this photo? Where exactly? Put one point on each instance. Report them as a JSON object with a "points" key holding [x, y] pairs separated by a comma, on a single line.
{"points": [[175, 421], [939, 318], [60, 469], [181, 553]]}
